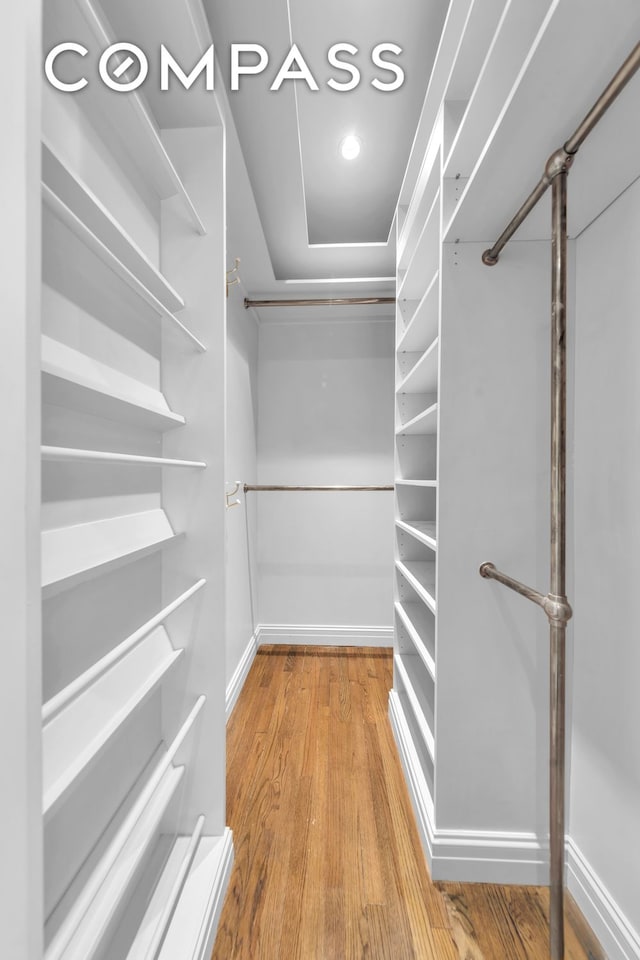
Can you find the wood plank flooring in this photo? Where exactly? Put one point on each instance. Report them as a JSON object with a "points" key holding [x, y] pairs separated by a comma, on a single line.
{"points": [[328, 863]]}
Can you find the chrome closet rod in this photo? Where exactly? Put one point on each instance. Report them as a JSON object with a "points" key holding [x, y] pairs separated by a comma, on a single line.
{"points": [[563, 157], [331, 487], [319, 302], [555, 603]]}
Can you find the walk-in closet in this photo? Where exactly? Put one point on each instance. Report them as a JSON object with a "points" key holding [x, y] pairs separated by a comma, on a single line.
{"points": [[318, 366]]}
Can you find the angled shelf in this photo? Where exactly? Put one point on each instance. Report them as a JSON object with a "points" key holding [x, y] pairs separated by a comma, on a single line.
{"points": [[74, 737], [422, 202], [73, 379], [201, 897], [153, 928], [90, 211], [125, 117], [72, 554], [104, 253], [421, 326], [83, 933], [415, 697], [423, 530], [515, 32], [86, 929], [423, 376], [423, 424], [73, 455], [411, 615], [421, 575], [424, 255], [64, 697]]}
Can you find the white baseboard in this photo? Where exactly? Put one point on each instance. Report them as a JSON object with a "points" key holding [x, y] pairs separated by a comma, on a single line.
{"points": [[475, 856], [616, 935], [416, 783], [325, 635], [236, 683]]}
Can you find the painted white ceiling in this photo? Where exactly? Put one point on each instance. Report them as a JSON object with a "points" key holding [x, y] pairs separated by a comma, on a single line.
{"points": [[303, 220], [306, 201]]}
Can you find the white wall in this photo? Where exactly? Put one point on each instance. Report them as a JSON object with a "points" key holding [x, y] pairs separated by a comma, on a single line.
{"points": [[20, 717], [242, 417], [492, 646], [605, 756], [325, 417]]}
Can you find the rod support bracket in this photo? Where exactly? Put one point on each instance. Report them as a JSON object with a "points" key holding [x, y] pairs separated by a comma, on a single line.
{"points": [[488, 259], [559, 162], [557, 609], [486, 568]]}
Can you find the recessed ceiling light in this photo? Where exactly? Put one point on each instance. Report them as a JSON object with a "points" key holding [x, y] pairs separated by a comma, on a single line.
{"points": [[350, 147]]}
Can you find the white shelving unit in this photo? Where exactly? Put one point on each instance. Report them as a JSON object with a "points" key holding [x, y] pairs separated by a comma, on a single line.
{"points": [[412, 701], [440, 387], [136, 851]]}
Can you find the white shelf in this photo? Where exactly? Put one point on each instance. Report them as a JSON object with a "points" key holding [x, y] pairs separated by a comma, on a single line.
{"points": [[62, 699], [88, 925], [425, 256], [92, 242], [421, 575], [200, 899], [477, 36], [423, 377], [514, 35], [73, 738], [417, 483], [166, 894], [423, 530], [421, 204], [424, 424], [422, 327], [71, 554], [89, 210], [124, 116], [73, 455], [416, 706], [73, 379], [409, 613]]}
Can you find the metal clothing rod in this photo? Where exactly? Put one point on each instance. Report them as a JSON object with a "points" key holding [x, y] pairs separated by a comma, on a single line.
{"points": [[319, 302], [334, 487], [562, 159]]}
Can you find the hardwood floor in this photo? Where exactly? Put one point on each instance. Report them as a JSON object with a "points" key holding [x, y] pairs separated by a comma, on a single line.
{"points": [[328, 863]]}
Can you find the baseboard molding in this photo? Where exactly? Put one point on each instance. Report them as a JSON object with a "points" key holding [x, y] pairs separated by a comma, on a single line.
{"points": [[475, 856], [416, 782], [616, 935], [325, 635], [236, 683]]}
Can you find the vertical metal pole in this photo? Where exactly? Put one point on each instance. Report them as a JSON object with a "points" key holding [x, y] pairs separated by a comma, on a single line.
{"points": [[558, 627]]}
